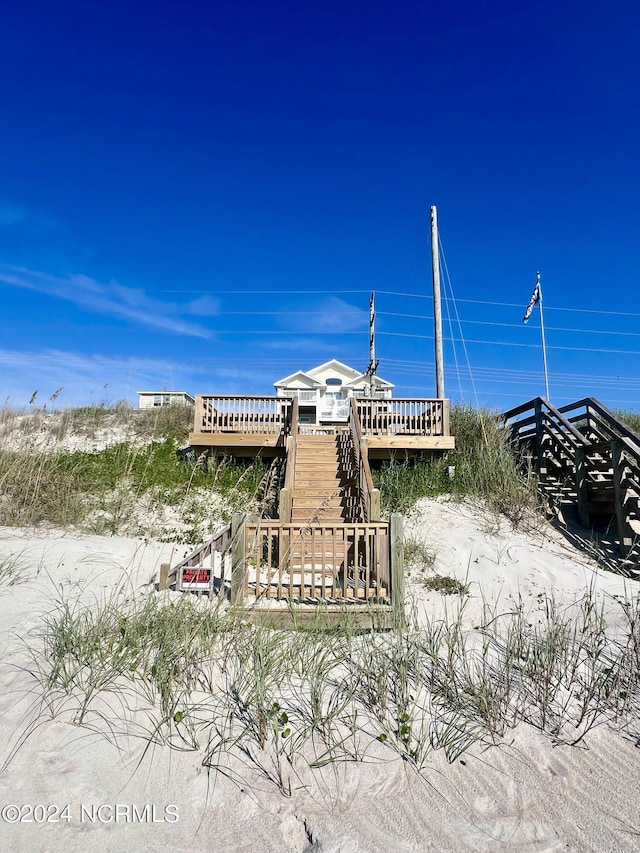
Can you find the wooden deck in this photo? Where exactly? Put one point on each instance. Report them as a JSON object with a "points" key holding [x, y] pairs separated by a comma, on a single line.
{"points": [[244, 426]]}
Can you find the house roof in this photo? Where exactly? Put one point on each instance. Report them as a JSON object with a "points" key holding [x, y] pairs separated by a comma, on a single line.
{"points": [[299, 374], [352, 375], [376, 380], [336, 365], [164, 391]]}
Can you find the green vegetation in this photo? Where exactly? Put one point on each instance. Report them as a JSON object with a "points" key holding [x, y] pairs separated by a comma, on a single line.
{"points": [[482, 465], [270, 705], [67, 487], [446, 585], [90, 421], [127, 485], [631, 419], [418, 555]]}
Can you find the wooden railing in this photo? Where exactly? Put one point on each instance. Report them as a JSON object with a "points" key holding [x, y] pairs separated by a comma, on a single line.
{"points": [[255, 560], [596, 421], [369, 496], [232, 413], [403, 416], [585, 442], [328, 562], [204, 568], [616, 448], [547, 434]]}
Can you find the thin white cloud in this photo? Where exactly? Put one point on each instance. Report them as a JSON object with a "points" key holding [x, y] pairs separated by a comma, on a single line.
{"points": [[204, 306], [329, 314], [113, 299], [83, 377]]}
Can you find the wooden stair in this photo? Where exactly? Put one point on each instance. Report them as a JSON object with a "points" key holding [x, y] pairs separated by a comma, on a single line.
{"points": [[587, 458], [318, 487], [319, 497]]}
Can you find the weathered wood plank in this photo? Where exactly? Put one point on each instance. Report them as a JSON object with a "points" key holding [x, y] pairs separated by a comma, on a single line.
{"points": [[234, 439], [411, 442], [397, 568]]}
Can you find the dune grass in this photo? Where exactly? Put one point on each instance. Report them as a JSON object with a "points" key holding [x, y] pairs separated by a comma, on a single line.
{"points": [[631, 419], [90, 421], [137, 460], [483, 465], [263, 705], [63, 488]]}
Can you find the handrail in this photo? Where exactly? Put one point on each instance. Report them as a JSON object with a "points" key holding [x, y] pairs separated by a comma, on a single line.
{"points": [[365, 479], [242, 413], [603, 456], [404, 415], [292, 446], [220, 542], [530, 404], [286, 493], [557, 413], [618, 427]]}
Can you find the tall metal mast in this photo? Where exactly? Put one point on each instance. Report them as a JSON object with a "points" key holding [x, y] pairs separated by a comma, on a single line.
{"points": [[373, 364], [437, 306]]}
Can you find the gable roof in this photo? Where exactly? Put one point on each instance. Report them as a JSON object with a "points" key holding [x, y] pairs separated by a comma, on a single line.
{"points": [[353, 377], [298, 375], [338, 366], [377, 380]]}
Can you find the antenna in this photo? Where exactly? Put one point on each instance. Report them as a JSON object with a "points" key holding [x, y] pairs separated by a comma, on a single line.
{"points": [[437, 308], [373, 364]]}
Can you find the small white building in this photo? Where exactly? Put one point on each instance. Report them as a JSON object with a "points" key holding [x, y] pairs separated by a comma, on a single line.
{"points": [[324, 391], [156, 399]]}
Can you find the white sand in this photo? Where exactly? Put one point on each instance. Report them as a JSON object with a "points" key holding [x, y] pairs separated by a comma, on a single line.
{"points": [[524, 794]]}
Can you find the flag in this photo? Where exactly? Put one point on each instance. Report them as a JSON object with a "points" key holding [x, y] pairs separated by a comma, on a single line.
{"points": [[535, 298]]}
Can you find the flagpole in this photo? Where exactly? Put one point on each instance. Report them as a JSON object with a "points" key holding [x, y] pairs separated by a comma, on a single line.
{"points": [[544, 344]]}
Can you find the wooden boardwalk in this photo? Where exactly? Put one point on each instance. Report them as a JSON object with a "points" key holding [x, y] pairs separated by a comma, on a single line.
{"points": [[586, 456], [328, 545]]}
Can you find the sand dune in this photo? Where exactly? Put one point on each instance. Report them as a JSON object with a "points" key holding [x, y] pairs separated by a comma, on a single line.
{"points": [[523, 793]]}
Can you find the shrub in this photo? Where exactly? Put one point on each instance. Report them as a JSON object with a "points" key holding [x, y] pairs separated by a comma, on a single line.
{"points": [[485, 468]]}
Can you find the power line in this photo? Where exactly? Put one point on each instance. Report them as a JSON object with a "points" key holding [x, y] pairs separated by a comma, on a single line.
{"points": [[511, 325], [514, 344], [307, 292]]}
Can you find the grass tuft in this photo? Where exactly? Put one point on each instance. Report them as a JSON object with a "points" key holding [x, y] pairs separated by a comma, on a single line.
{"points": [[446, 585], [483, 466], [267, 706]]}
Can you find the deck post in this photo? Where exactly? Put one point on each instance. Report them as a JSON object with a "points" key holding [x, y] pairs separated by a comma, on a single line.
{"points": [[374, 505], [198, 414], [238, 553], [625, 531], [397, 569], [446, 417], [284, 512], [582, 492], [163, 582]]}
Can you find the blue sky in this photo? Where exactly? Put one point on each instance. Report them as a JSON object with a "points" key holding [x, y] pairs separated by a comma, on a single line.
{"points": [[202, 195]]}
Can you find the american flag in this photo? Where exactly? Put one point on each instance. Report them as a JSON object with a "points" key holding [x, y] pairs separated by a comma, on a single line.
{"points": [[535, 298]]}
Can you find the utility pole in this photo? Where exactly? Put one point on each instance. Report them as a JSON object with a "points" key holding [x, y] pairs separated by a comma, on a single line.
{"points": [[373, 364], [437, 306]]}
